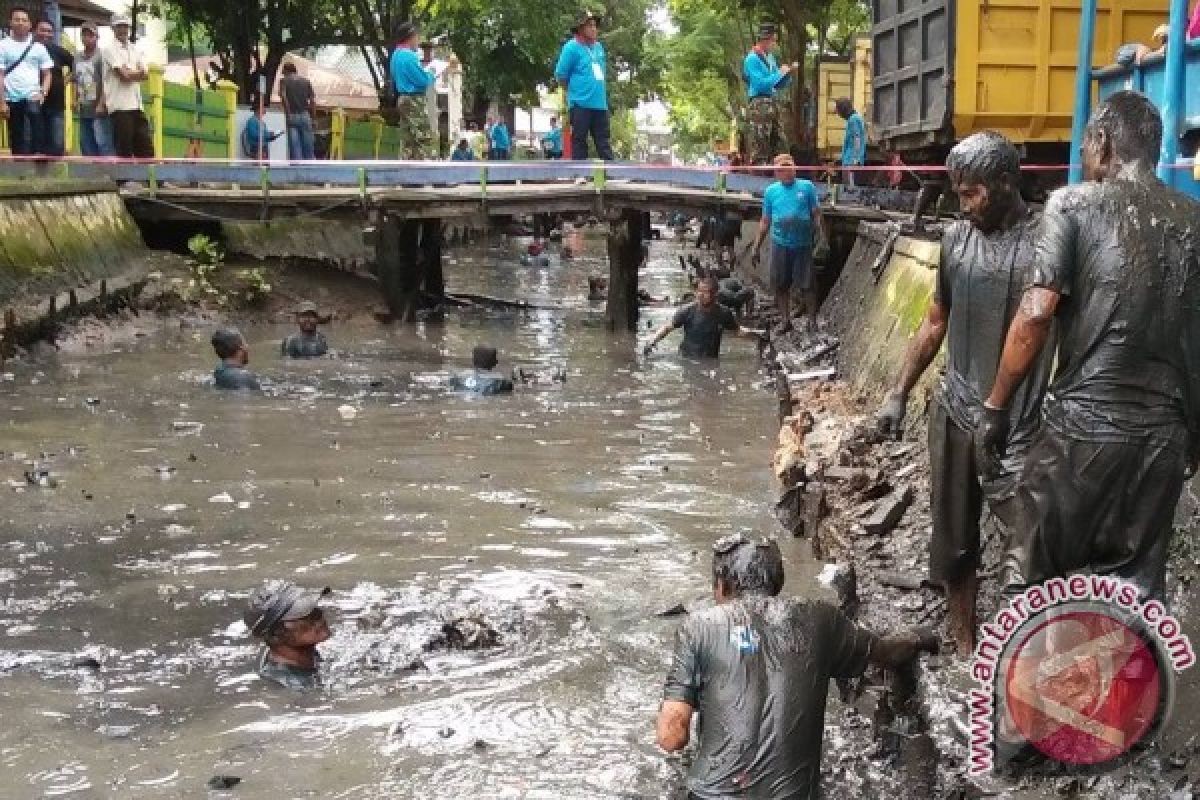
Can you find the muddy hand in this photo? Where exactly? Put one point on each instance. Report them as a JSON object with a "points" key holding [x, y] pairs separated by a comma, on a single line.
{"points": [[991, 436], [890, 419]]}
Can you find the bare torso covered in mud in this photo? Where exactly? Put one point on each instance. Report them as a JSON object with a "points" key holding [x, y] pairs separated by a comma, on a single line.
{"points": [[757, 670]]}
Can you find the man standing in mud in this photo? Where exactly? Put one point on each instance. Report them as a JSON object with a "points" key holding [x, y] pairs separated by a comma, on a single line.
{"points": [[289, 621], [1117, 267], [703, 323], [757, 668], [309, 342], [764, 78], [978, 288]]}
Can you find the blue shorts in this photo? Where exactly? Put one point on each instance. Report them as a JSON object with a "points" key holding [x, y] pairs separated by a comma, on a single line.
{"points": [[791, 268]]}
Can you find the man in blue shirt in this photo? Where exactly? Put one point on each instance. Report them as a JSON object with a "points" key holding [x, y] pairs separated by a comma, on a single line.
{"points": [[463, 151], [552, 141], [25, 71], [581, 69], [257, 137], [764, 78], [411, 80], [501, 141], [790, 207], [854, 146]]}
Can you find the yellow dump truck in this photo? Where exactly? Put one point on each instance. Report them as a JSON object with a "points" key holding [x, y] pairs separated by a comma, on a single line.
{"points": [[944, 69]]}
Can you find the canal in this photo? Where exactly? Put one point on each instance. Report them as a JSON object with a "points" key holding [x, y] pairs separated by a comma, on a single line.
{"points": [[567, 516]]}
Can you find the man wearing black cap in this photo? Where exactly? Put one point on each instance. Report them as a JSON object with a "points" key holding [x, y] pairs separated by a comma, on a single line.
{"points": [[764, 78], [581, 69], [290, 622], [411, 80], [757, 668], [309, 342]]}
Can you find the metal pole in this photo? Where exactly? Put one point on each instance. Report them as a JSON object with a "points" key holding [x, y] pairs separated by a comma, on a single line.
{"points": [[1171, 104], [1083, 86]]}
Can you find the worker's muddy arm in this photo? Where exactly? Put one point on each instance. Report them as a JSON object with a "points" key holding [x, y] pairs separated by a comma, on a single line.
{"points": [[764, 227], [674, 725], [924, 348], [899, 649], [663, 332], [1026, 337]]}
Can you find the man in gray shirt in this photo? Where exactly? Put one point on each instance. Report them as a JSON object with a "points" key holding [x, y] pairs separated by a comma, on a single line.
{"points": [[95, 130], [757, 668], [299, 106]]}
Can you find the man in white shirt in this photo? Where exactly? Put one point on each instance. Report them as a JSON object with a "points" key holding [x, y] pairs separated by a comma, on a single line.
{"points": [[25, 71], [124, 70]]}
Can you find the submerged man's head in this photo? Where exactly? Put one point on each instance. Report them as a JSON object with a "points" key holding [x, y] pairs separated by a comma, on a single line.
{"points": [[743, 566], [706, 291], [484, 357], [308, 317], [985, 172], [230, 345], [284, 615], [1126, 129]]}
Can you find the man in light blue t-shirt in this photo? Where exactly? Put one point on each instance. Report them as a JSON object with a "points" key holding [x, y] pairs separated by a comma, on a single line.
{"points": [[581, 69], [26, 70], [790, 209], [501, 141], [854, 145]]}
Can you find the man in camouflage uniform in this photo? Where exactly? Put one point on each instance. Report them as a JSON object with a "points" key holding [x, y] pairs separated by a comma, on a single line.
{"points": [[764, 78], [411, 80]]}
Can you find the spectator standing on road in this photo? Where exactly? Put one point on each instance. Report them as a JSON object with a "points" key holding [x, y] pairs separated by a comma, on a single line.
{"points": [[764, 78], [124, 71], [411, 81], [581, 69], [500, 140], [25, 69], [299, 107], [854, 145], [552, 141], [257, 137], [54, 107], [95, 128]]}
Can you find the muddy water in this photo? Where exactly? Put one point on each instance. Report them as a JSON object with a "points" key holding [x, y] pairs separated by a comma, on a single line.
{"points": [[566, 515]]}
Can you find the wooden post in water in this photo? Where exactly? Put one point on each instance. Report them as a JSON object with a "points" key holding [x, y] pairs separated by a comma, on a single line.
{"points": [[625, 235], [396, 250], [433, 283]]}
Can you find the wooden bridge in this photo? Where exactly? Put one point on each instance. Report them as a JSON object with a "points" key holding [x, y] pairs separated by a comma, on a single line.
{"points": [[408, 203]]}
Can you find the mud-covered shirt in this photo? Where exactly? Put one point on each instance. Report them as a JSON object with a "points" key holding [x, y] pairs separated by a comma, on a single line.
{"points": [[228, 376], [703, 328], [482, 382], [1124, 256], [980, 280], [286, 675], [757, 670], [303, 345]]}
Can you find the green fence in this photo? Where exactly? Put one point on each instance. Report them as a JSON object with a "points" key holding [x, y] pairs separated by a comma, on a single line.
{"points": [[194, 123], [360, 140]]}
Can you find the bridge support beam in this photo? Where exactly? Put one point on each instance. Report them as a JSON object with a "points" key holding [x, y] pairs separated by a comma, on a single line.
{"points": [[626, 237], [408, 259]]}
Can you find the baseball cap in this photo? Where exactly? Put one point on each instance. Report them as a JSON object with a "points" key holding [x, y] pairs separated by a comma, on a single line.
{"points": [[308, 307], [584, 18], [279, 601], [89, 26], [784, 160], [766, 30], [121, 19]]}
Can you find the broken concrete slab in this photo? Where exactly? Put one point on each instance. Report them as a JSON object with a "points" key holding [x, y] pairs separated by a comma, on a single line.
{"points": [[888, 511]]}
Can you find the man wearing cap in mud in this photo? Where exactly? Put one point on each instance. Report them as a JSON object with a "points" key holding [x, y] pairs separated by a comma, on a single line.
{"points": [[309, 342], [757, 668], [290, 622], [764, 78], [1117, 268], [981, 273], [411, 81], [231, 373]]}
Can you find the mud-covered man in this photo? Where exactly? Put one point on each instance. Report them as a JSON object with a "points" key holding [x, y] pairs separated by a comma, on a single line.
{"points": [[704, 322], [1117, 269], [980, 276], [483, 379], [231, 373], [309, 342], [757, 668], [290, 622]]}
